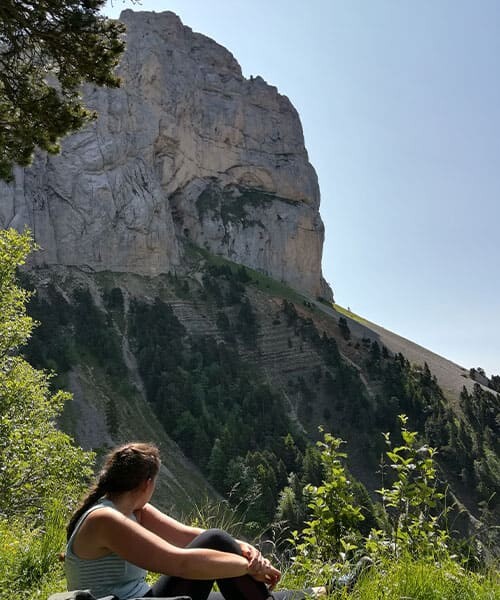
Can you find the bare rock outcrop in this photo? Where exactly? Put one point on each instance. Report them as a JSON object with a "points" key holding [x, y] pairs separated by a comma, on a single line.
{"points": [[186, 149]]}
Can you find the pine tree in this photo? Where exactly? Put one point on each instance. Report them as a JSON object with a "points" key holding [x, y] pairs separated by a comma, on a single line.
{"points": [[48, 48]]}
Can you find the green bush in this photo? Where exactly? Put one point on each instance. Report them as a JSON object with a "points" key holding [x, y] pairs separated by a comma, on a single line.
{"points": [[410, 553], [413, 504], [36, 459], [331, 534], [39, 465]]}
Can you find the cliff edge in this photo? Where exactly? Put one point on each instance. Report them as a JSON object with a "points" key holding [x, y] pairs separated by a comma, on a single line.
{"points": [[186, 150]]}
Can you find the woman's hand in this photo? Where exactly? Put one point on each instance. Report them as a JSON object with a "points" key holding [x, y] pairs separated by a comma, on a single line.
{"points": [[259, 567], [268, 575], [254, 557]]}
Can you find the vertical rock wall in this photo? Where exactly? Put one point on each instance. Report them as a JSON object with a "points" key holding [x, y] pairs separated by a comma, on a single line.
{"points": [[187, 148]]}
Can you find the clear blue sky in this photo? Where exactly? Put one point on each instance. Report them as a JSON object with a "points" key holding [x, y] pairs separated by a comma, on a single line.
{"points": [[400, 105]]}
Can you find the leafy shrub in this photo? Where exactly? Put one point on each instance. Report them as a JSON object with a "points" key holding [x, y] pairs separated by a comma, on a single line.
{"points": [[411, 553], [36, 459], [412, 503], [332, 532]]}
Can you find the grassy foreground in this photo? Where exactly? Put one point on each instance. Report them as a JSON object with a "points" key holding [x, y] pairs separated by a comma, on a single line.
{"points": [[30, 569], [408, 579]]}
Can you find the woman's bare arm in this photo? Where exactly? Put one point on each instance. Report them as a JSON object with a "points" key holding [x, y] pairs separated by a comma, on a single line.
{"points": [[144, 548], [166, 527]]}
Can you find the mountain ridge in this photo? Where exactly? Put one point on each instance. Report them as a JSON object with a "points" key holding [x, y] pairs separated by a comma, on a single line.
{"points": [[451, 376]]}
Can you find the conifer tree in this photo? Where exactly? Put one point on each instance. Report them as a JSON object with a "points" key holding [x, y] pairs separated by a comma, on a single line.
{"points": [[48, 48]]}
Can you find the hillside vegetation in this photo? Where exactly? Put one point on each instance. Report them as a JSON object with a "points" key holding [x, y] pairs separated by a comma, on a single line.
{"points": [[240, 371], [252, 431]]}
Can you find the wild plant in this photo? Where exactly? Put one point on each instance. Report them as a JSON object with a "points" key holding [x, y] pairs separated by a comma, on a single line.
{"points": [[413, 505], [330, 536]]}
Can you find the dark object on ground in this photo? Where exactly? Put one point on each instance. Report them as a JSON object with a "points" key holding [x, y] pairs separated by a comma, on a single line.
{"points": [[349, 580]]}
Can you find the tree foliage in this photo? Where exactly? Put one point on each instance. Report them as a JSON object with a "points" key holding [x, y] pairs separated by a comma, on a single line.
{"points": [[37, 461], [48, 48]]}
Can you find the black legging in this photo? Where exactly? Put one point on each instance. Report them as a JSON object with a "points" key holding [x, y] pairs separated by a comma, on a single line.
{"points": [[243, 587]]}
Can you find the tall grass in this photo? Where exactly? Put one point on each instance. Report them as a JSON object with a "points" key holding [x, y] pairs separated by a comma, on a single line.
{"points": [[29, 563], [407, 579], [210, 514], [410, 579], [220, 514]]}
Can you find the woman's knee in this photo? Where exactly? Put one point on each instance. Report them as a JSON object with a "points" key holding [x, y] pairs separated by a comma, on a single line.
{"points": [[217, 539]]}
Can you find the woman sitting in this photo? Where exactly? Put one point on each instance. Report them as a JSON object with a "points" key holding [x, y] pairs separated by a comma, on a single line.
{"points": [[116, 536]]}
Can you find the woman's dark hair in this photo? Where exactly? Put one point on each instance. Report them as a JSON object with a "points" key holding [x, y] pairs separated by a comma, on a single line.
{"points": [[125, 468]]}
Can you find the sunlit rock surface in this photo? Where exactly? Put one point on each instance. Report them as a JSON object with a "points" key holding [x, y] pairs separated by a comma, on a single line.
{"points": [[186, 149]]}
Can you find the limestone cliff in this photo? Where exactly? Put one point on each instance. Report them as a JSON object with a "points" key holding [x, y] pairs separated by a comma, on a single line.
{"points": [[187, 148]]}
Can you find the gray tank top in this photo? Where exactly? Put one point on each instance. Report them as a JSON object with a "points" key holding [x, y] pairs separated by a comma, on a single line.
{"points": [[108, 575]]}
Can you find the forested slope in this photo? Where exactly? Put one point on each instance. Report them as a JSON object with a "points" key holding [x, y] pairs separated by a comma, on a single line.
{"points": [[238, 372]]}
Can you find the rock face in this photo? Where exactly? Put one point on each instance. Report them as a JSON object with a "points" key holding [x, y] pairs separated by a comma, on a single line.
{"points": [[186, 149]]}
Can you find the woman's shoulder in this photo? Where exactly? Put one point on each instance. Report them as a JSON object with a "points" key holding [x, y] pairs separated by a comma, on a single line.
{"points": [[100, 516], [105, 512]]}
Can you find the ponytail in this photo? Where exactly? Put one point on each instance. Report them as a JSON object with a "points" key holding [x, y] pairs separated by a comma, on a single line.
{"points": [[93, 495]]}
